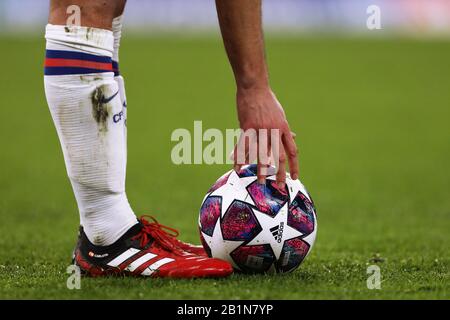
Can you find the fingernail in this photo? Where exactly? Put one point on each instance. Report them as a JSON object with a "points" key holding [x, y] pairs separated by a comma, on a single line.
{"points": [[262, 181], [281, 185], [294, 176]]}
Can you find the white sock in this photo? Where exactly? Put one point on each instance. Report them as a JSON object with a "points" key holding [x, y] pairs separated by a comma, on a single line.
{"points": [[117, 34], [85, 106]]}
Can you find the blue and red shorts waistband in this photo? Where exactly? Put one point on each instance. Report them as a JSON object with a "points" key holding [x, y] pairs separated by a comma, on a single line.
{"points": [[60, 62]]}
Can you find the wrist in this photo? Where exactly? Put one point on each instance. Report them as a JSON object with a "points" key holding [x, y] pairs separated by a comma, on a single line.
{"points": [[252, 78], [252, 83]]}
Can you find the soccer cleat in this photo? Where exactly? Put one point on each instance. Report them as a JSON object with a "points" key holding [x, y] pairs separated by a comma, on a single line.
{"points": [[171, 235], [146, 250]]}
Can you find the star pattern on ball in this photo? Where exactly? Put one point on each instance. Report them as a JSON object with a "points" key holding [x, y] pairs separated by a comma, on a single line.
{"points": [[271, 230], [310, 238], [236, 187], [293, 187], [219, 247]]}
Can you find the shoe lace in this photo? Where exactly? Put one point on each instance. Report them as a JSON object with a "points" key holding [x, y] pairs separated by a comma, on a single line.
{"points": [[165, 236]]}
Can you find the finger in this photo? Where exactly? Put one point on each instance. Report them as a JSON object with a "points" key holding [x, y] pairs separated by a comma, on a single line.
{"points": [[281, 170], [238, 164], [252, 146], [263, 154], [291, 153], [235, 156], [293, 134], [240, 152], [275, 139], [262, 173]]}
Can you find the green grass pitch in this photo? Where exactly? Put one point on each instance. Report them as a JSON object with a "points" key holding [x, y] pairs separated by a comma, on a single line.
{"points": [[371, 117]]}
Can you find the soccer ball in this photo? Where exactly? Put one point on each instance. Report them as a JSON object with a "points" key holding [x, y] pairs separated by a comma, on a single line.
{"points": [[258, 228]]}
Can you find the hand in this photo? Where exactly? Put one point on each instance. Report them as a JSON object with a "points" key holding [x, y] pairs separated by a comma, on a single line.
{"points": [[258, 108]]}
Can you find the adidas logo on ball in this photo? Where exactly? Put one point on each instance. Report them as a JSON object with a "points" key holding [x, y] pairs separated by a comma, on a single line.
{"points": [[277, 232]]}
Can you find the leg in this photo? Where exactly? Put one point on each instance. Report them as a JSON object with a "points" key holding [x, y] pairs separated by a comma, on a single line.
{"points": [[86, 97], [86, 107]]}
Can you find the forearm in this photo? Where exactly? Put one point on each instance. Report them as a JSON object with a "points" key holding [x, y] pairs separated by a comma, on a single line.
{"points": [[241, 26]]}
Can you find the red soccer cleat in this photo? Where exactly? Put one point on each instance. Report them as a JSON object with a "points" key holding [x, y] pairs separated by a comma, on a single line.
{"points": [[171, 235], [147, 249]]}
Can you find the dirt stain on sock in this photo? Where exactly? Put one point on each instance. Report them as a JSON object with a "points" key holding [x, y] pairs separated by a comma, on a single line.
{"points": [[89, 33], [100, 109], [89, 79]]}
